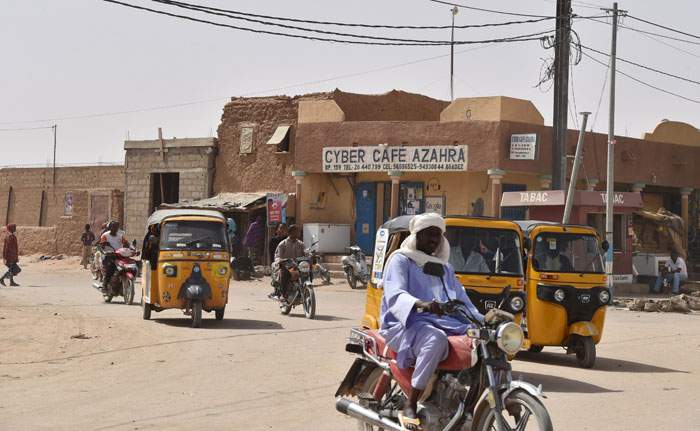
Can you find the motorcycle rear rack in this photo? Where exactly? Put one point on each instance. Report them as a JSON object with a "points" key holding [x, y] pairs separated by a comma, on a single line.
{"points": [[358, 336]]}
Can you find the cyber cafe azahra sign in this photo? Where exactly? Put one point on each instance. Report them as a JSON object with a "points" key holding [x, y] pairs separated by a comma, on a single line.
{"points": [[394, 158]]}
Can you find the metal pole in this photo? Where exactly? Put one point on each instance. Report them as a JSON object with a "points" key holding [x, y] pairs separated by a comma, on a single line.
{"points": [[574, 170], [55, 126], [610, 180], [452, 55]]}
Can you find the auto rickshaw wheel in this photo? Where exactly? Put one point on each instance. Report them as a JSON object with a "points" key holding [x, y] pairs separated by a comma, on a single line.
{"points": [[585, 351], [146, 310], [219, 313], [196, 314], [535, 348]]}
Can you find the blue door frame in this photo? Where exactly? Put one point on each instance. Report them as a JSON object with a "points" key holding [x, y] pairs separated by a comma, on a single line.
{"points": [[366, 216]]}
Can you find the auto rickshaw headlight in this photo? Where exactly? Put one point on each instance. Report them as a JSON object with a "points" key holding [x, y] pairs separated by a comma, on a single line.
{"points": [[304, 266], [516, 304], [604, 296], [222, 271], [170, 271], [509, 338], [559, 295]]}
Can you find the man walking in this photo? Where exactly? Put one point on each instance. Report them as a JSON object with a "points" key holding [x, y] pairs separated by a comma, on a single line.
{"points": [[10, 253], [254, 240], [87, 238]]}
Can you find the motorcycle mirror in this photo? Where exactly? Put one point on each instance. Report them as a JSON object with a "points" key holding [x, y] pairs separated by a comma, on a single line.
{"points": [[434, 268], [506, 294], [605, 245]]}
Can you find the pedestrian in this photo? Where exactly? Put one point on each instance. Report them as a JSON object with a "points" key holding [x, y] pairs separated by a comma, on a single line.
{"points": [[280, 235], [676, 272], [255, 239], [87, 239], [10, 254]]}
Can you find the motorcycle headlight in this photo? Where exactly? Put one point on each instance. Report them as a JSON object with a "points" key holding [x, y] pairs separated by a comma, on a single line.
{"points": [[170, 271], [517, 304], [604, 296], [559, 295], [222, 271], [304, 266], [509, 338]]}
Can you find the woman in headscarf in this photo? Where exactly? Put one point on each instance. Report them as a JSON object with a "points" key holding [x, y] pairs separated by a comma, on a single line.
{"points": [[10, 254], [420, 339]]}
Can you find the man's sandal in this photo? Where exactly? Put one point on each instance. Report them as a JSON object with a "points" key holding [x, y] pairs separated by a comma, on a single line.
{"points": [[414, 423]]}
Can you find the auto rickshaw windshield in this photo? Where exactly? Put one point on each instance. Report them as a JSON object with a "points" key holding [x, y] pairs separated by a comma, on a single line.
{"points": [[485, 251], [567, 252], [193, 235]]}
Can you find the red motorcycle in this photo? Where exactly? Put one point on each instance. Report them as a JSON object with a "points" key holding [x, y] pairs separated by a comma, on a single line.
{"points": [[125, 273]]}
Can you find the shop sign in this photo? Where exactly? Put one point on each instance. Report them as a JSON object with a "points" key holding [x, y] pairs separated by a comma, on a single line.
{"points": [[435, 204], [386, 158], [276, 208], [380, 243], [523, 146], [622, 278]]}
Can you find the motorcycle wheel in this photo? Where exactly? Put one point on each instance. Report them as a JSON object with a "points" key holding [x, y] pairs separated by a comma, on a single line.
{"points": [[350, 277], [585, 352], [146, 310], [196, 314], [94, 272], [128, 291], [368, 388], [309, 302], [519, 406], [107, 298], [219, 313], [325, 275]]}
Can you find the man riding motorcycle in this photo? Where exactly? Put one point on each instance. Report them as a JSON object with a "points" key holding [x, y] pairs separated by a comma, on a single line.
{"points": [[420, 338], [115, 239], [290, 248]]}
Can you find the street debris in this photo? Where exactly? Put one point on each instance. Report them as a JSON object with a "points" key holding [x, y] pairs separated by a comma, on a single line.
{"points": [[678, 303], [80, 336]]}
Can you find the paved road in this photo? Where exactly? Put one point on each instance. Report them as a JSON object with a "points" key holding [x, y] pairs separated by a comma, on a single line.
{"points": [[259, 370]]}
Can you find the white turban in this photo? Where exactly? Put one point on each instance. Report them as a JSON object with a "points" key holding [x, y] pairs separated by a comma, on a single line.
{"points": [[408, 246]]}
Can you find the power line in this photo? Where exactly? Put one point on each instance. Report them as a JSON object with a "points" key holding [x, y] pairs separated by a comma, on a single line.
{"points": [[627, 27], [248, 94], [663, 26], [345, 24], [527, 37], [25, 128], [644, 83], [232, 15], [644, 67], [491, 10]]}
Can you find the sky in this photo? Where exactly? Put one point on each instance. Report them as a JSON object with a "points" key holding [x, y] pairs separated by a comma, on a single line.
{"points": [[80, 58]]}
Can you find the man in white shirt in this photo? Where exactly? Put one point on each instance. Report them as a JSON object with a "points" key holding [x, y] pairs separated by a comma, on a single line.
{"points": [[115, 239], [676, 273]]}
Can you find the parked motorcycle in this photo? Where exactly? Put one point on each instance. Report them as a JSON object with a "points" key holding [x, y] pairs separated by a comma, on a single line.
{"points": [[300, 289], [473, 388], [355, 267], [319, 269], [122, 281]]}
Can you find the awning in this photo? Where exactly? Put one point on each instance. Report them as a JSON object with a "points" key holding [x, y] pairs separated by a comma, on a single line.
{"points": [[280, 134], [225, 202]]}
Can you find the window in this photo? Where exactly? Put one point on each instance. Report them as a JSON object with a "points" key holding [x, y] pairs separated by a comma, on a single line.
{"points": [[193, 235], [484, 251], [597, 221], [280, 138], [165, 188], [567, 252], [246, 146]]}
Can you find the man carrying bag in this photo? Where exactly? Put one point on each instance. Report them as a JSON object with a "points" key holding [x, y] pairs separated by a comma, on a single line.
{"points": [[10, 253]]}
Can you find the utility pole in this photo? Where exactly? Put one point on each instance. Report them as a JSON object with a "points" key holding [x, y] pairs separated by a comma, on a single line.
{"points": [[54, 127], [610, 179], [454, 10], [574, 170], [562, 40]]}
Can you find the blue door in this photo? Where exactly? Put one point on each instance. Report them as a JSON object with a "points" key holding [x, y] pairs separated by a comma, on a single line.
{"points": [[366, 216]]}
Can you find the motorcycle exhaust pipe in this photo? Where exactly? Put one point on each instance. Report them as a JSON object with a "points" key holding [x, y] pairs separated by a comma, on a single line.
{"points": [[345, 406]]}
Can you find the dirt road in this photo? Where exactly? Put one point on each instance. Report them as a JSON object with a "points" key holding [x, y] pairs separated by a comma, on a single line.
{"points": [[259, 370]]}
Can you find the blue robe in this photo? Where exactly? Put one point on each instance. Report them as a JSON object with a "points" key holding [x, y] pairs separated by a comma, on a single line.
{"points": [[404, 284]]}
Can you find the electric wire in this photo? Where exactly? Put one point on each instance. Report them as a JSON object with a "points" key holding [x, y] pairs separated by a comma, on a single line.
{"points": [[521, 38], [600, 98], [643, 66], [18, 129], [345, 24], [638, 30], [491, 10], [644, 83], [663, 26]]}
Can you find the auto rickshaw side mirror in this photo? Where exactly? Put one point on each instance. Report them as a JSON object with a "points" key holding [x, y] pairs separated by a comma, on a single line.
{"points": [[605, 245]]}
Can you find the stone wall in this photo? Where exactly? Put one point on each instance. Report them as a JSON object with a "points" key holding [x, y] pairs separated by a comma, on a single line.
{"points": [[192, 159]]}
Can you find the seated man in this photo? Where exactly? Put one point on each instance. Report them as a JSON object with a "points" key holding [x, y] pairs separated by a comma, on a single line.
{"points": [[676, 273], [553, 260], [420, 338], [289, 248], [115, 239]]}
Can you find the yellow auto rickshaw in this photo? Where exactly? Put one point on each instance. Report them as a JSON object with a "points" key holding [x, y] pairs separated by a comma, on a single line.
{"points": [[566, 288], [486, 254], [186, 263]]}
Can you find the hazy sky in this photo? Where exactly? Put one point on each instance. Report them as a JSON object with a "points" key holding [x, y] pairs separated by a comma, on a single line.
{"points": [[67, 58]]}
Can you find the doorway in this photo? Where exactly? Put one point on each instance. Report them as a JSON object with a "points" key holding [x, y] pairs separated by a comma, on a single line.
{"points": [[366, 215], [165, 189], [514, 213]]}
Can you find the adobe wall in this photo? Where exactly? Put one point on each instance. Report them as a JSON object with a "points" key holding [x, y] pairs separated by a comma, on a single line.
{"points": [[392, 106]]}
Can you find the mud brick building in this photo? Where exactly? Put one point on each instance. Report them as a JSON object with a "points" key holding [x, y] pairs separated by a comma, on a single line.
{"points": [[165, 171], [51, 207]]}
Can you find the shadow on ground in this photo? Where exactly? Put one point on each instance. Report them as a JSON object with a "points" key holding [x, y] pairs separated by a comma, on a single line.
{"points": [[211, 323], [551, 383], [601, 364], [321, 317]]}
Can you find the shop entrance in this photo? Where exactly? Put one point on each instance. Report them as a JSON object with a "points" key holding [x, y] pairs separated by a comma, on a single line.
{"points": [[514, 213], [365, 215]]}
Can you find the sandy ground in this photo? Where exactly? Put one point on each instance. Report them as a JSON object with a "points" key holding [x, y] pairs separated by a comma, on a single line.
{"points": [[259, 370]]}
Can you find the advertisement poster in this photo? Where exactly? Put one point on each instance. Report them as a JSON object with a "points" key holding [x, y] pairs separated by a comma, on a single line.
{"points": [[523, 146], [435, 204], [276, 208], [379, 254]]}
